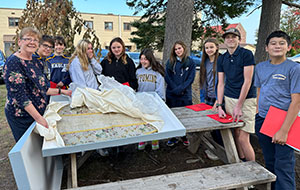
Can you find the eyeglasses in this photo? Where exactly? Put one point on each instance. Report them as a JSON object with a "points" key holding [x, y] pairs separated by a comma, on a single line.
{"points": [[30, 40], [47, 47]]}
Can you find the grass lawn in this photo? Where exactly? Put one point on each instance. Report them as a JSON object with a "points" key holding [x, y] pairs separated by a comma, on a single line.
{"points": [[7, 141]]}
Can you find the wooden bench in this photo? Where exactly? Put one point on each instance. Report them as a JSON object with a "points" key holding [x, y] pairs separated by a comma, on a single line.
{"points": [[220, 177]]}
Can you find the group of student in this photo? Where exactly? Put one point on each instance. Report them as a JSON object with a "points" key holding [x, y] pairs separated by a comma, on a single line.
{"points": [[229, 82]]}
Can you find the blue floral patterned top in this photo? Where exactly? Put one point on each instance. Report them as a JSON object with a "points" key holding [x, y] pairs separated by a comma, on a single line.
{"points": [[25, 84]]}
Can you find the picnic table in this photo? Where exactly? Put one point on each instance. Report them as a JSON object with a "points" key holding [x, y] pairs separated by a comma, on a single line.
{"points": [[197, 123]]}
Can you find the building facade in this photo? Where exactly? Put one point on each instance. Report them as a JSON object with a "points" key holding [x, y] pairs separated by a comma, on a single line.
{"points": [[107, 27]]}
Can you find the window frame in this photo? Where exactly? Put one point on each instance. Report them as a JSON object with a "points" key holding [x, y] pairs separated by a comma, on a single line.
{"points": [[15, 24], [106, 25], [129, 26], [88, 26]]}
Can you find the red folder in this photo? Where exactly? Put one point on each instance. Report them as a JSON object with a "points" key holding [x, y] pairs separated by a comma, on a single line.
{"points": [[227, 119], [199, 107], [273, 122]]}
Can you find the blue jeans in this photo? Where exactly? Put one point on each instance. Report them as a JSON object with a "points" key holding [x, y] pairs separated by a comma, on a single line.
{"points": [[18, 125], [279, 159]]}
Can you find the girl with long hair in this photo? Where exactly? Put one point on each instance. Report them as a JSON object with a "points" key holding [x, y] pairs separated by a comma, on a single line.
{"points": [[208, 68], [118, 65], [150, 74], [83, 65], [180, 74]]}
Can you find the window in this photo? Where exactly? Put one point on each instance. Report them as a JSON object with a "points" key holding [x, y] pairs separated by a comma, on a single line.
{"points": [[108, 25], [127, 26], [13, 21], [88, 24]]}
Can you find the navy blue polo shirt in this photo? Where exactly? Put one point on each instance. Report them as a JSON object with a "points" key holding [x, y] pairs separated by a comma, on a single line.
{"points": [[233, 68]]}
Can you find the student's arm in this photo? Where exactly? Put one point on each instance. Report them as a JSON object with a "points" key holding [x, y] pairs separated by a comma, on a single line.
{"points": [[67, 80], [97, 68], [237, 110], [168, 74], [189, 81], [54, 91], [281, 136], [76, 73], [258, 93], [131, 73], [160, 87], [220, 89]]}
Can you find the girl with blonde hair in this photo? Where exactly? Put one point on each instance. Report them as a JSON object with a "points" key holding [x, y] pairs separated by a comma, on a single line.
{"points": [[83, 65]]}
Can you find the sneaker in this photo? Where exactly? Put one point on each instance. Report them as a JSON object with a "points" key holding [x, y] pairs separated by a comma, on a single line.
{"points": [[141, 146], [103, 152], [185, 141], [172, 142], [211, 155], [155, 145]]}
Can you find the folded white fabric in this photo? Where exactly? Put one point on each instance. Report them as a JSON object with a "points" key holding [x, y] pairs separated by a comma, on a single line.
{"points": [[51, 116]]}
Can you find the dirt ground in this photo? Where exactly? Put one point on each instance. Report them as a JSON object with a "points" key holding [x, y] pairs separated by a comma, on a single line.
{"points": [[127, 165], [133, 163]]}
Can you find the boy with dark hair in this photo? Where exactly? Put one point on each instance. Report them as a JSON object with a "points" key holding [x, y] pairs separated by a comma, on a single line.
{"points": [[236, 66], [59, 76], [278, 84], [44, 51]]}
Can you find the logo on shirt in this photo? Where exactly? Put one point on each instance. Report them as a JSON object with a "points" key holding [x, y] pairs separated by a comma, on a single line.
{"points": [[279, 76], [147, 78]]}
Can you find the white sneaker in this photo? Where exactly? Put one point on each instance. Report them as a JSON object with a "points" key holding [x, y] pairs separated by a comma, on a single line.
{"points": [[211, 155], [103, 152]]}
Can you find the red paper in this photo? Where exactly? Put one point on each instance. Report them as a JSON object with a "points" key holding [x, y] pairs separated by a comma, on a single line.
{"points": [[227, 119], [273, 122], [53, 85], [126, 83], [199, 107]]}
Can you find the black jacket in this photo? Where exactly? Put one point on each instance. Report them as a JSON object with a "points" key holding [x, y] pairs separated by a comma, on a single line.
{"points": [[121, 72]]}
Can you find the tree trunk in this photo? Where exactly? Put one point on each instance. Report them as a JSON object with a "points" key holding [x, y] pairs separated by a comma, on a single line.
{"points": [[269, 22], [178, 25]]}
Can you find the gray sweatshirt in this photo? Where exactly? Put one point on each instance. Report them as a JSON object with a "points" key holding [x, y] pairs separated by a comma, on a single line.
{"points": [[85, 78], [151, 81]]}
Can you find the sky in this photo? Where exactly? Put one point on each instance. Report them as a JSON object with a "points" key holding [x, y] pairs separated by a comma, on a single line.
{"points": [[119, 7]]}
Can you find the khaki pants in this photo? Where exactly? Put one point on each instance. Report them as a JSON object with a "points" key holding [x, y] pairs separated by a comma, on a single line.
{"points": [[248, 111]]}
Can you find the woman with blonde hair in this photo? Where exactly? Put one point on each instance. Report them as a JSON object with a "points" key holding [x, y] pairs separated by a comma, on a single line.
{"points": [[118, 65], [83, 65], [27, 85]]}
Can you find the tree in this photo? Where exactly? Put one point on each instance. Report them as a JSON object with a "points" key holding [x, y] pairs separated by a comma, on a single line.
{"points": [[53, 17], [290, 23], [269, 21], [206, 13], [178, 24]]}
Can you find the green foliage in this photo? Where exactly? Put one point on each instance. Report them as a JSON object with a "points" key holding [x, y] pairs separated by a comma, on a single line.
{"points": [[151, 26], [53, 17], [290, 23]]}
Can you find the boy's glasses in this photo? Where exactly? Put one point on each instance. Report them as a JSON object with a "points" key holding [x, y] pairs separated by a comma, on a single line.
{"points": [[30, 40], [46, 46]]}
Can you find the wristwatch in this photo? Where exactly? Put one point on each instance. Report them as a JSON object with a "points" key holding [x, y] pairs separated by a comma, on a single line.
{"points": [[217, 105]]}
